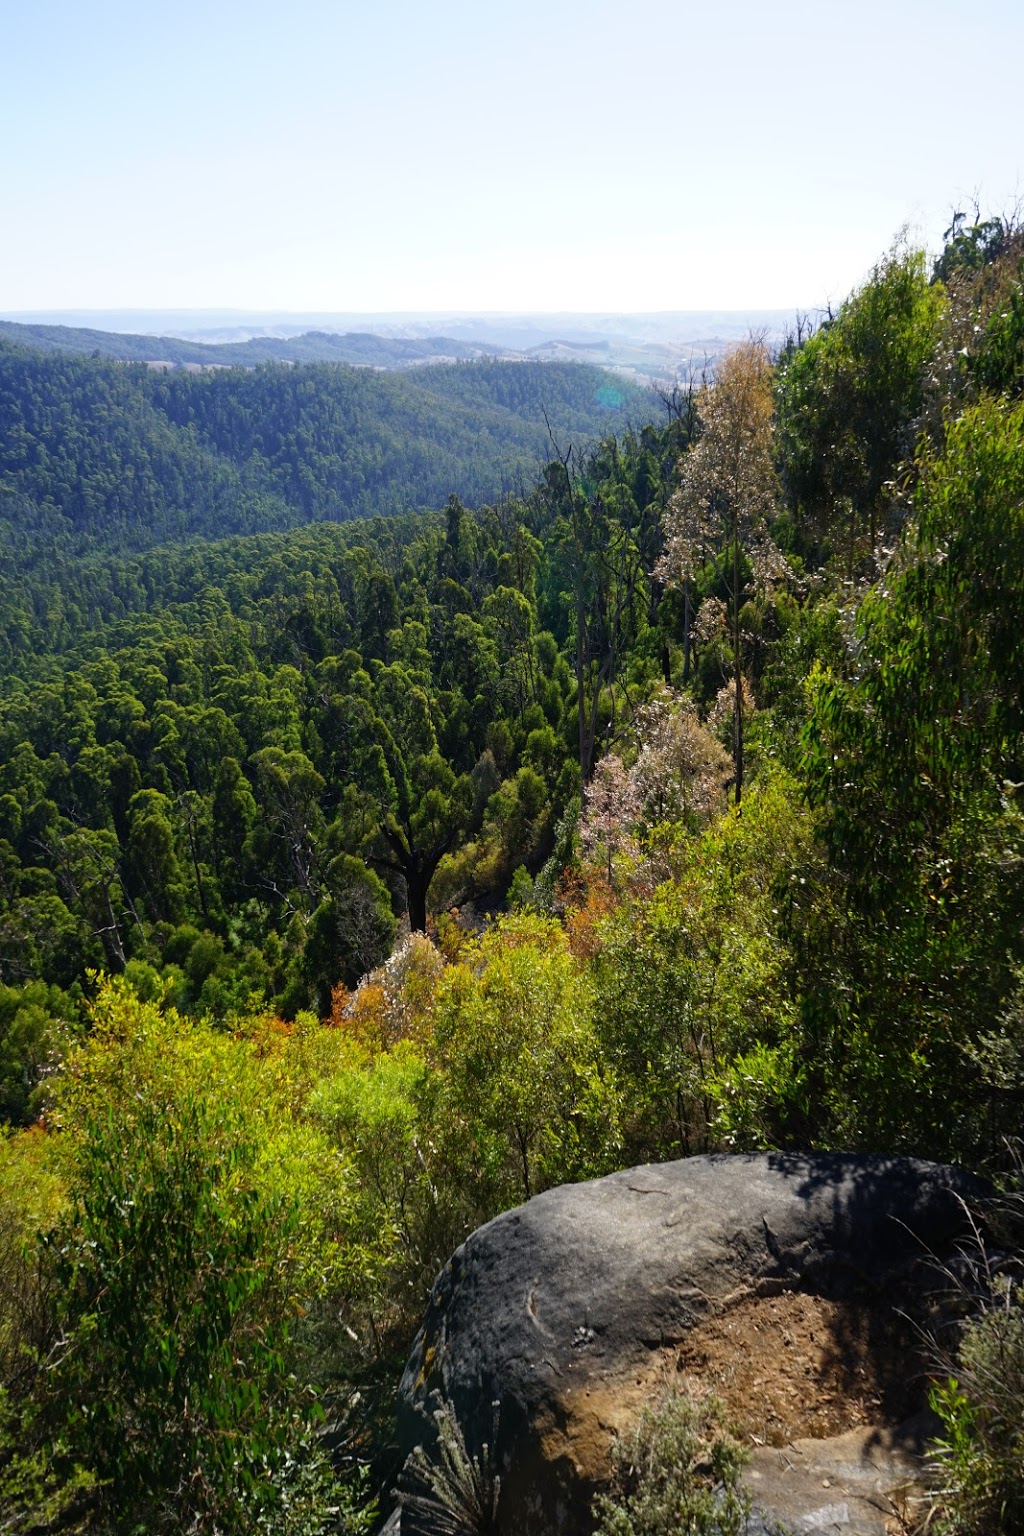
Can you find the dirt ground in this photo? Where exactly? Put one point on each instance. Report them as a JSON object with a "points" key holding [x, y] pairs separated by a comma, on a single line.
{"points": [[794, 1366]]}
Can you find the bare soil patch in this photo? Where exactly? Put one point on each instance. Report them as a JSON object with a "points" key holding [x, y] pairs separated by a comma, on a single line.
{"points": [[794, 1366]]}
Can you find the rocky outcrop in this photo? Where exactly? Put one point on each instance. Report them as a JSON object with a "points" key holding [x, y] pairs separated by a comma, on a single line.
{"points": [[570, 1313]]}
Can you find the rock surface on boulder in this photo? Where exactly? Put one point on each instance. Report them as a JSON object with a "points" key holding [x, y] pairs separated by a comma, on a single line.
{"points": [[568, 1312]]}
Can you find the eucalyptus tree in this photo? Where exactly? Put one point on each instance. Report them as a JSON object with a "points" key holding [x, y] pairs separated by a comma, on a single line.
{"points": [[727, 493], [850, 397]]}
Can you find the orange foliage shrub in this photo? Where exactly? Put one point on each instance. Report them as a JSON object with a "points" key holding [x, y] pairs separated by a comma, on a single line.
{"points": [[395, 1002], [365, 1016], [585, 907], [266, 1033]]}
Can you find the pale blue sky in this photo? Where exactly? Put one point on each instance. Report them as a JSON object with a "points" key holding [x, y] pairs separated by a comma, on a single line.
{"points": [[448, 155]]}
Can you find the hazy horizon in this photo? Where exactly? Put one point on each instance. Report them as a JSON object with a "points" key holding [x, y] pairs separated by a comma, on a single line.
{"points": [[663, 347], [194, 319]]}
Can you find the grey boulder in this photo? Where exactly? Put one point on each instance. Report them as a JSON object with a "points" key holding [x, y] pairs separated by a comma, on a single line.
{"points": [[552, 1326]]}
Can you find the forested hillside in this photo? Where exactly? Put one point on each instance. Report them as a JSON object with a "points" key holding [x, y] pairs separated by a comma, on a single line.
{"points": [[103, 456], [357, 883]]}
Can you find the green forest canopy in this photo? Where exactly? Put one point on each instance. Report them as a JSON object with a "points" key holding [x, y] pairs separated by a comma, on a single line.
{"points": [[105, 457]]}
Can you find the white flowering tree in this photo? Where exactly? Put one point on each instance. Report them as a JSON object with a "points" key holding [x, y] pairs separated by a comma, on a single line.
{"points": [[676, 772]]}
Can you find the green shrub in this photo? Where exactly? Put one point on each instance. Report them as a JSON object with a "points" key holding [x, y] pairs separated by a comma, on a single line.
{"points": [[524, 1098], [694, 975], [196, 1228], [677, 1474], [980, 1456]]}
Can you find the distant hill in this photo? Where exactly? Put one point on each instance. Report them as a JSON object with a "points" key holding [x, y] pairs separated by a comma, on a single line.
{"points": [[98, 454], [356, 348]]}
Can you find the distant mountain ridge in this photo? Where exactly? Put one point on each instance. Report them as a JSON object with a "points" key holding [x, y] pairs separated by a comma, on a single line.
{"points": [[358, 349], [656, 347]]}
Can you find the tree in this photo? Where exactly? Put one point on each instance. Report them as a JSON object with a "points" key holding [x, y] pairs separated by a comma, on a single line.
{"points": [[605, 528], [915, 763], [848, 399], [969, 247], [151, 857], [352, 929], [289, 835], [727, 493]]}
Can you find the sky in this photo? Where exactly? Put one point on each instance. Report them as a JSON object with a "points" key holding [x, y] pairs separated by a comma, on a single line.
{"points": [[491, 154]]}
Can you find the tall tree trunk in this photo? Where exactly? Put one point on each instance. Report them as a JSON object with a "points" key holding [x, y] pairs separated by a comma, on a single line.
{"points": [[580, 692], [416, 885], [686, 631]]}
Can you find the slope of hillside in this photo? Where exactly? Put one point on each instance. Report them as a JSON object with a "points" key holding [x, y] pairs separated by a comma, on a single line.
{"points": [[100, 454]]}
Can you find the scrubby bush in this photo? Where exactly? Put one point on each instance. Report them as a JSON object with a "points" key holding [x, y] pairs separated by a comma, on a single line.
{"points": [[980, 1454], [198, 1218], [693, 975], [677, 1474], [522, 1091]]}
